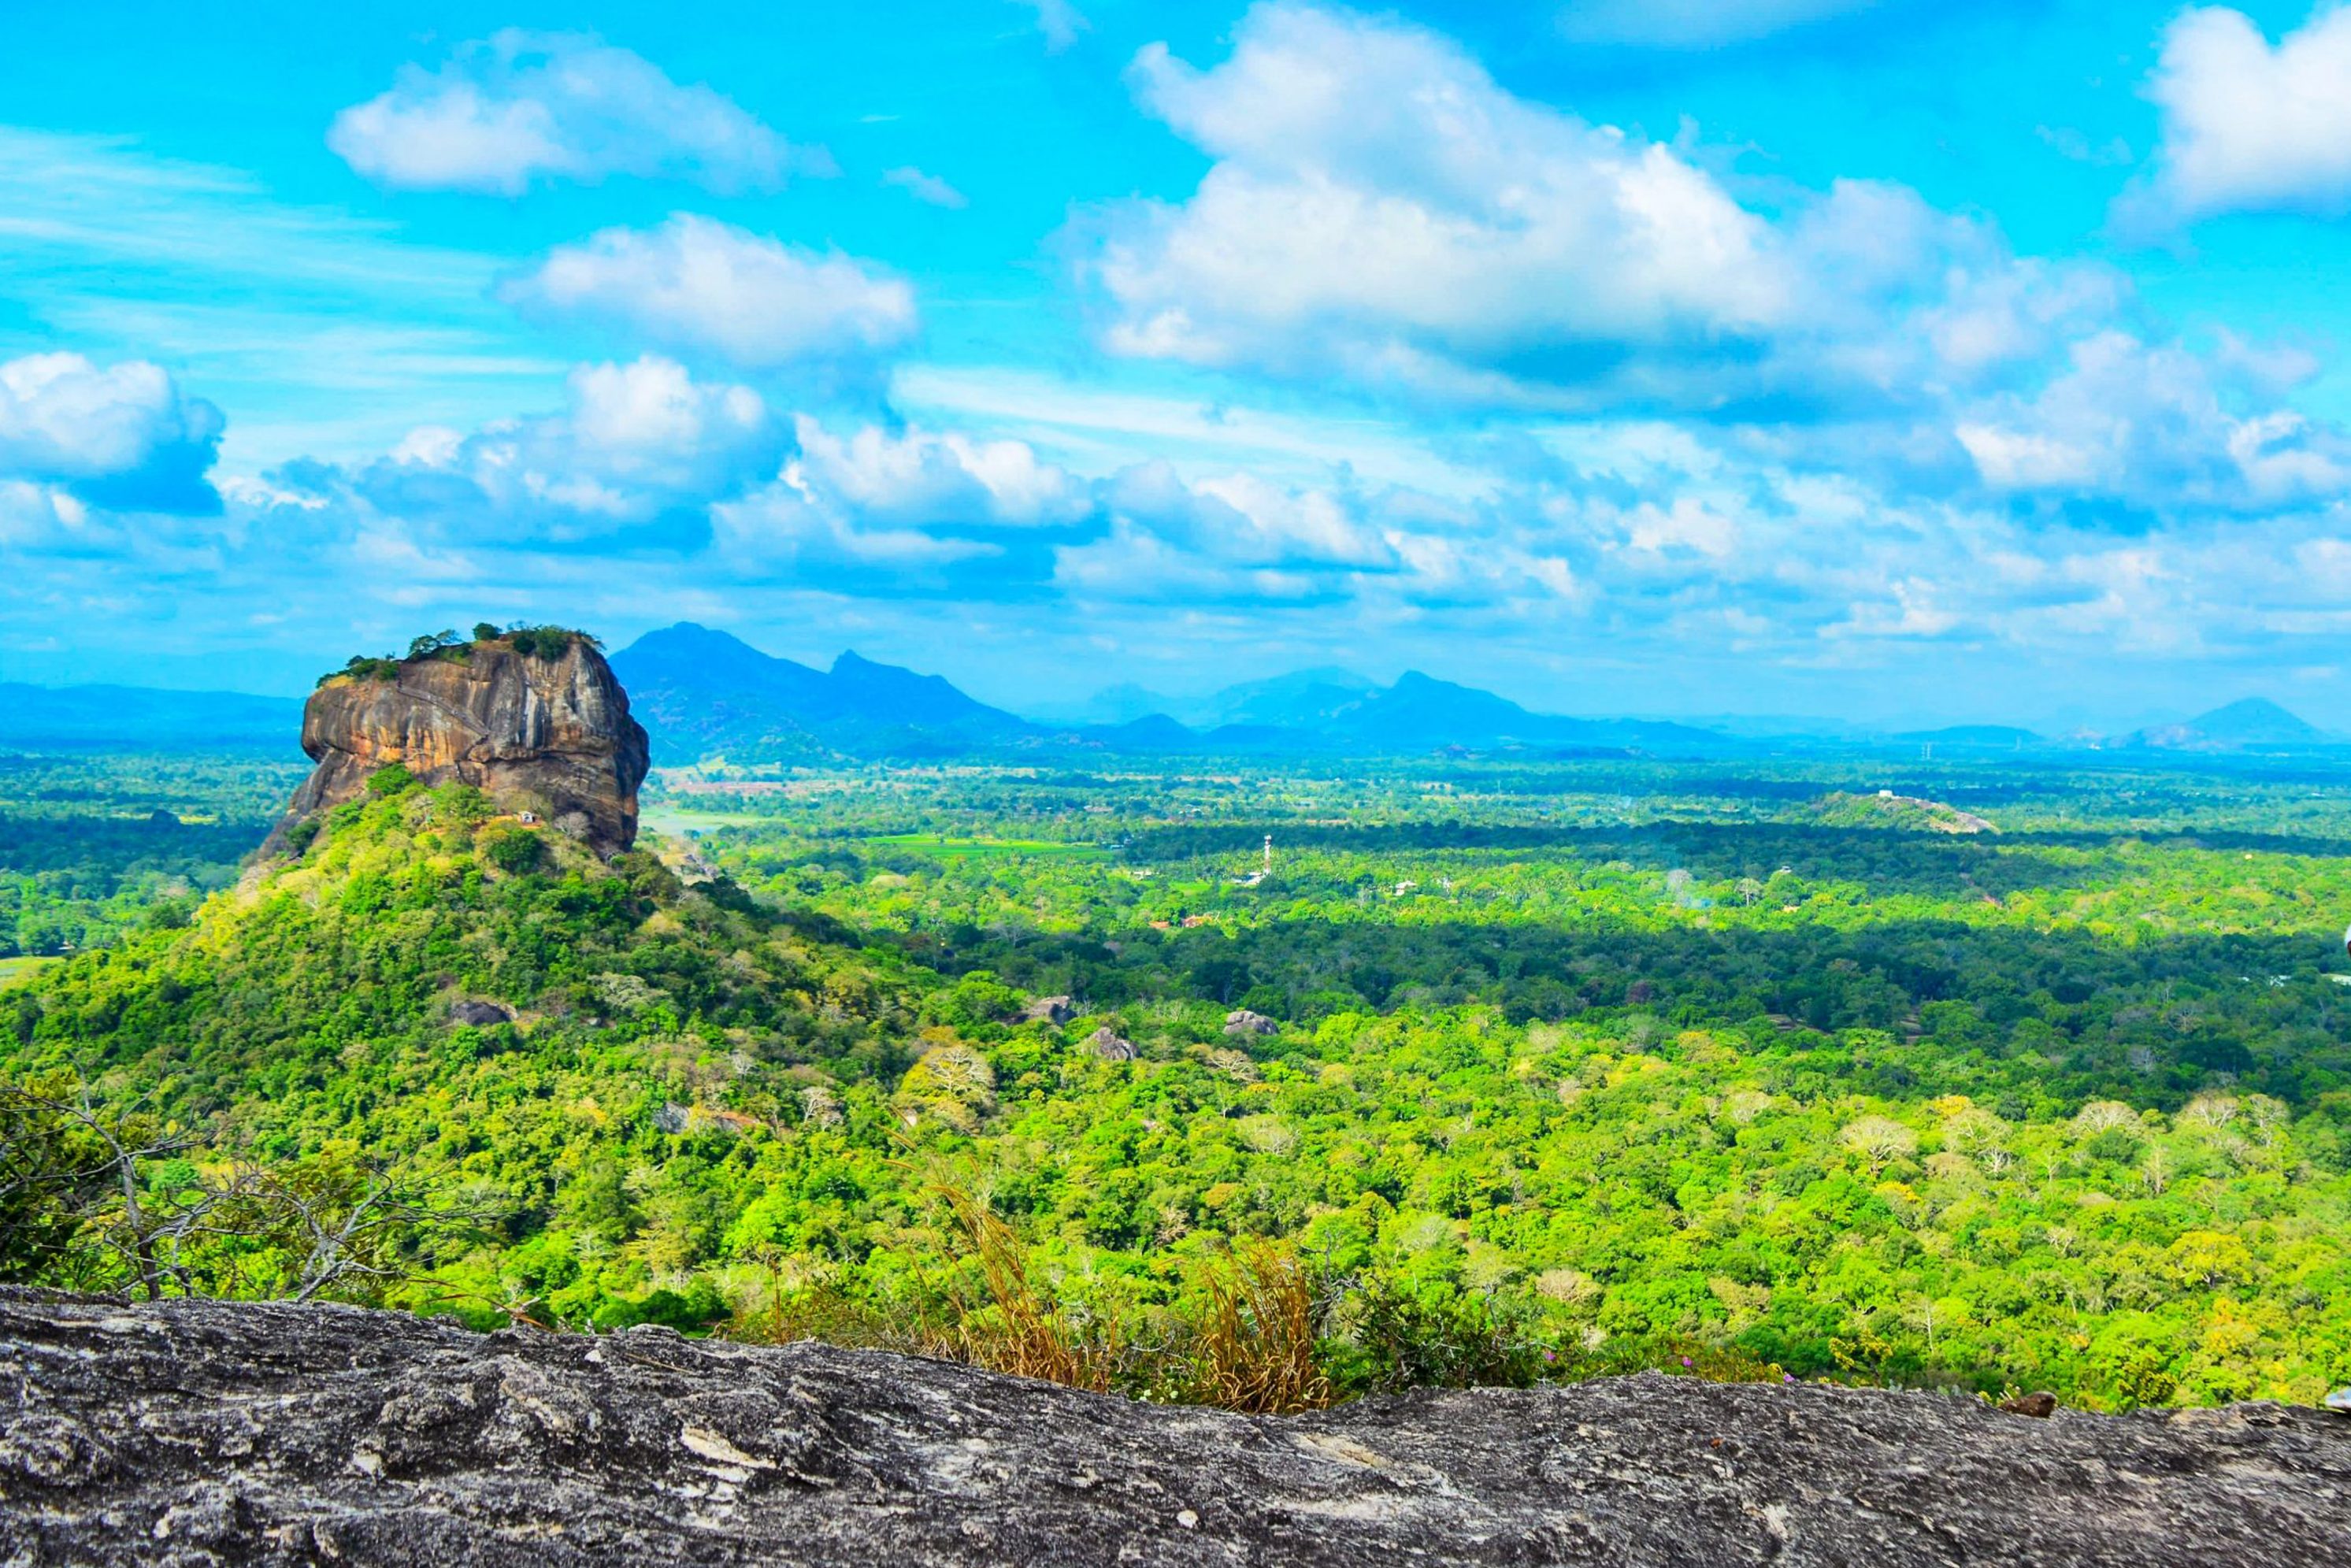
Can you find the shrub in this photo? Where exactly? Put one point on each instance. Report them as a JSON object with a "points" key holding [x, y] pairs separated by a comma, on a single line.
{"points": [[513, 848], [391, 778]]}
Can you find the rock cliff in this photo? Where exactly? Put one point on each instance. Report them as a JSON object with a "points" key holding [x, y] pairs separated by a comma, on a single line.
{"points": [[540, 731], [197, 1433]]}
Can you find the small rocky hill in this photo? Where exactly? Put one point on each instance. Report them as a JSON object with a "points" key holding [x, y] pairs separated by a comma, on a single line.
{"points": [[538, 720], [194, 1433], [1885, 809]]}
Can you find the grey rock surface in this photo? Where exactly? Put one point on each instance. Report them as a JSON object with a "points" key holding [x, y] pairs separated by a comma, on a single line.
{"points": [[549, 735], [197, 1433]]}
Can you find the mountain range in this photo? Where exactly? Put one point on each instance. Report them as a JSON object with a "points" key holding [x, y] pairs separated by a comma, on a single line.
{"points": [[705, 694], [116, 719]]}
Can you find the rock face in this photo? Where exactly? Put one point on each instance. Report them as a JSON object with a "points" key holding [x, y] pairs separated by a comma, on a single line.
{"points": [[549, 735], [198, 1433]]}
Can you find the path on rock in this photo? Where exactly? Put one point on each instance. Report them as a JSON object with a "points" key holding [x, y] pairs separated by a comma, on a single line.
{"points": [[200, 1433]]}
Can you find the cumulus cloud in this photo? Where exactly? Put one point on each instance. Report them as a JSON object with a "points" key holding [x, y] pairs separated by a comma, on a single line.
{"points": [[1380, 209], [697, 287], [2249, 126], [2153, 427], [523, 107], [1694, 24], [1377, 200], [1381, 214], [640, 452], [936, 479], [902, 507], [121, 436]]}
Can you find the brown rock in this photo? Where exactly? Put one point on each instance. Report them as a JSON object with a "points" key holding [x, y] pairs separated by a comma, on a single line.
{"points": [[2042, 1405], [548, 736]]}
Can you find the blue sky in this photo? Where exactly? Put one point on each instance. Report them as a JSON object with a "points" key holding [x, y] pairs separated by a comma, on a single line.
{"points": [[1754, 356]]}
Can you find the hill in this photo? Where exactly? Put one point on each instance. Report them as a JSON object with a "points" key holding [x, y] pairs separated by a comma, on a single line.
{"points": [[138, 718], [2253, 724], [279, 1434], [1887, 809], [705, 694]]}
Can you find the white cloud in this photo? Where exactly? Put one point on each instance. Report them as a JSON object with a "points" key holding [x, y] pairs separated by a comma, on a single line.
{"points": [[926, 188], [1381, 212], [923, 478], [2151, 426], [123, 432], [698, 286], [637, 443], [1380, 203], [2249, 126], [1240, 519], [522, 107], [1060, 21], [1694, 24]]}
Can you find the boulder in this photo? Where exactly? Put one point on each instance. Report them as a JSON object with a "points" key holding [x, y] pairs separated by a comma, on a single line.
{"points": [[1240, 1021], [203, 1434], [546, 735], [1049, 1010], [1110, 1045], [481, 1015]]}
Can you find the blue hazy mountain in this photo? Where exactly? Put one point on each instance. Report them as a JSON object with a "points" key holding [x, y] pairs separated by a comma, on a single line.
{"points": [[2253, 724], [141, 718], [702, 694]]}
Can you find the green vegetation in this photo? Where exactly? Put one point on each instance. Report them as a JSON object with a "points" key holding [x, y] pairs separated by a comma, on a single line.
{"points": [[532, 642], [1502, 1071], [93, 847]]}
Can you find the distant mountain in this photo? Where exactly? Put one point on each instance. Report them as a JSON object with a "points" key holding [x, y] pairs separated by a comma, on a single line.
{"points": [[702, 694], [1334, 710], [2253, 724], [1301, 699], [705, 694], [139, 718], [1120, 704]]}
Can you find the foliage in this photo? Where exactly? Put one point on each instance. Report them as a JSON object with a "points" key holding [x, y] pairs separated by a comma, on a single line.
{"points": [[2066, 1107]]}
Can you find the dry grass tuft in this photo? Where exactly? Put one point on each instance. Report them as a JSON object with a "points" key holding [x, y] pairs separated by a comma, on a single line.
{"points": [[1254, 1348]]}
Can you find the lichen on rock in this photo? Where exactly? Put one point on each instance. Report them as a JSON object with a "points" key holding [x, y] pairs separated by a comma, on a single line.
{"points": [[202, 1433]]}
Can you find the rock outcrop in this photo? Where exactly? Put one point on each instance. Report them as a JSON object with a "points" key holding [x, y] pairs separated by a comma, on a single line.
{"points": [[549, 734], [196, 1433]]}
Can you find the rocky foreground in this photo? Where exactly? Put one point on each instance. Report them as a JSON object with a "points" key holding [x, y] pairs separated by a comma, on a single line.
{"points": [[194, 1432]]}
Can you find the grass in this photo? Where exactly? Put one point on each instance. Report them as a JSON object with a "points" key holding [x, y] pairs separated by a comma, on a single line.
{"points": [[16, 971], [947, 848]]}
